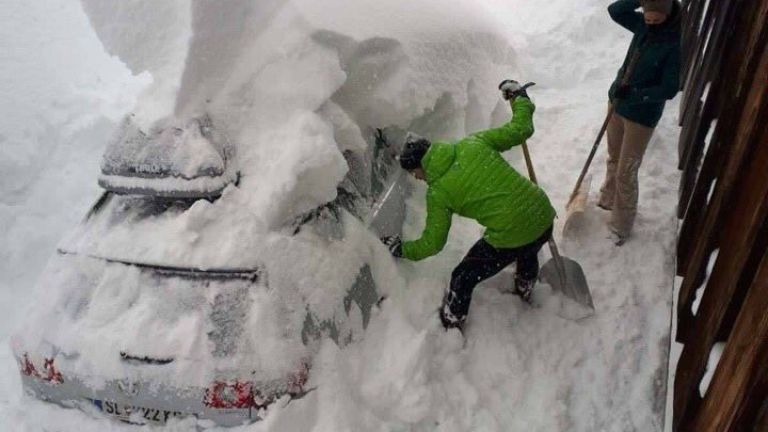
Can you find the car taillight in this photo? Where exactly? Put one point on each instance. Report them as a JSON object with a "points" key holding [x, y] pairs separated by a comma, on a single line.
{"points": [[27, 368], [298, 380], [50, 373], [229, 395], [238, 394]]}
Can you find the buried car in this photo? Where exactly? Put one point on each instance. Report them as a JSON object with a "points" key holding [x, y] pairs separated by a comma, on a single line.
{"points": [[144, 336]]}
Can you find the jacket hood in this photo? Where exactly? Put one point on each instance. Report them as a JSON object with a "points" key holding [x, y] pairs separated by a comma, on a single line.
{"points": [[671, 27], [438, 160]]}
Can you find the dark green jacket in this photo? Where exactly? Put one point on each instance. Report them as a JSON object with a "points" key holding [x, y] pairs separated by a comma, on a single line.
{"points": [[656, 77], [473, 180]]}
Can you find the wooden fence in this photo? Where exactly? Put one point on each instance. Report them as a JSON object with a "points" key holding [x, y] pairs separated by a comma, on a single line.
{"points": [[723, 238]]}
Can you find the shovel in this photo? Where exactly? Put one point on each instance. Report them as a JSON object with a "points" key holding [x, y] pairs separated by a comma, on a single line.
{"points": [[577, 203], [574, 210], [562, 273]]}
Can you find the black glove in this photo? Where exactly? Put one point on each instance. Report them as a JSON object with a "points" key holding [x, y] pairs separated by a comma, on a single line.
{"points": [[511, 89], [381, 139], [394, 244], [622, 92]]}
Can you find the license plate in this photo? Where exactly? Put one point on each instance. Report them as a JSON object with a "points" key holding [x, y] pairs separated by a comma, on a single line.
{"points": [[136, 414]]}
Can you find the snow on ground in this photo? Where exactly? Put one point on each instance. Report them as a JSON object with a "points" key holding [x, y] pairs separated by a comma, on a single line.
{"points": [[522, 368]]}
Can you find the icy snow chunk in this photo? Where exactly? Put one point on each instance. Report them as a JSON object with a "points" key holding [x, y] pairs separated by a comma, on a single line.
{"points": [[221, 39], [298, 168], [346, 132]]}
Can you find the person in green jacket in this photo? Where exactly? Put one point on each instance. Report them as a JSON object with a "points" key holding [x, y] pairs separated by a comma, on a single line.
{"points": [[639, 101], [472, 179]]}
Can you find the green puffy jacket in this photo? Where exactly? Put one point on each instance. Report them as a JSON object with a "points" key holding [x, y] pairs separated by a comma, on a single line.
{"points": [[656, 77], [471, 179]]}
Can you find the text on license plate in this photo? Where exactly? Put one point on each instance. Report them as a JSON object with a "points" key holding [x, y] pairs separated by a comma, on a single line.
{"points": [[136, 414]]}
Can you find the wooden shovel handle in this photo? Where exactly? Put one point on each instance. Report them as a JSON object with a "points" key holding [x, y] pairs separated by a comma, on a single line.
{"points": [[529, 164], [526, 153], [611, 110], [592, 153], [559, 265]]}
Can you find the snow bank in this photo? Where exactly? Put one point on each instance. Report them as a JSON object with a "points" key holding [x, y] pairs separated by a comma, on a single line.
{"points": [[62, 98]]}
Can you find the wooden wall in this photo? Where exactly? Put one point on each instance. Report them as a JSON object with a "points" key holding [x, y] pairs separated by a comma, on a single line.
{"points": [[723, 239]]}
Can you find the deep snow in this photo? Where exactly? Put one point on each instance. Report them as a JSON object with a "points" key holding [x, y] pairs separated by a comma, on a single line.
{"points": [[522, 369]]}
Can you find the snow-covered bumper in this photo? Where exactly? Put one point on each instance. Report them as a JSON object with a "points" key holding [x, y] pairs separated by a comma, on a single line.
{"points": [[225, 403]]}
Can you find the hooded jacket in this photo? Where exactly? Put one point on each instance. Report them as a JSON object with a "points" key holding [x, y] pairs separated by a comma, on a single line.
{"points": [[472, 179], [656, 76]]}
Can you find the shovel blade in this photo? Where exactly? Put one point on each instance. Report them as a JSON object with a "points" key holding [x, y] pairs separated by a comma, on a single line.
{"points": [[574, 211], [573, 286]]}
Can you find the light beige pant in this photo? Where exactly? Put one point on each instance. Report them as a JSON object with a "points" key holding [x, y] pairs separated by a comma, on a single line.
{"points": [[627, 142]]}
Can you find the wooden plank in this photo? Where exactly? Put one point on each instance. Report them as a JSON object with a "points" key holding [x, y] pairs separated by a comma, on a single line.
{"points": [[708, 46], [701, 74], [694, 53], [734, 66], [693, 242], [761, 424], [693, 19], [699, 25], [691, 125], [751, 209], [728, 62], [690, 67], [716, 300], [746, 280], [692, 49], [692, 170], [719, 152], [696, 259], [756, 38], [754, 416], [741, 368], [695, 193]]}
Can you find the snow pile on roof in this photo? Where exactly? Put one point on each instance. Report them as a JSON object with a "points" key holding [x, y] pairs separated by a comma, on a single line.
{"points": [[293, 97]]}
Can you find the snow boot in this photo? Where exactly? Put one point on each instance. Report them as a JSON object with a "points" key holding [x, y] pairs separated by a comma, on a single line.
{"points": [[448, 318], [524, 289], [615, 237]]}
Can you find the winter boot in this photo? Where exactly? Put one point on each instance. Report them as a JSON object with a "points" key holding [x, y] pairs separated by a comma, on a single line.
{"points": [[605, 204], [615, 237], [448, 318], [524, 289]]}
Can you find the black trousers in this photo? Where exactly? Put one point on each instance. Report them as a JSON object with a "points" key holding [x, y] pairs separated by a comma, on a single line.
{"points": [[483, 261]]}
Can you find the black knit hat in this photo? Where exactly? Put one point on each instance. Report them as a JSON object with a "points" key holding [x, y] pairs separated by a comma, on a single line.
{"points": [[413, 151], [663, 6]]}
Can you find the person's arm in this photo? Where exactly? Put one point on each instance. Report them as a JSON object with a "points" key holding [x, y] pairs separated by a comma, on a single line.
{"points": [[624, 13], [435, 232], [670, 82], [515, 132]]}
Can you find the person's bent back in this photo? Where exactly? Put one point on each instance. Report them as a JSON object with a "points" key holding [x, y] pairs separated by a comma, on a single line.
{"points": [[472, 179]]}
